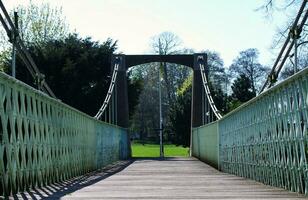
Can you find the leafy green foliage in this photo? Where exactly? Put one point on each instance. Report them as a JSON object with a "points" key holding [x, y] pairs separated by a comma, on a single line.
{"points": [[181, 119], [217, 74], [145, 119], [242, 89], [77, 70], [180, 116], [220, 98], [37, 24], [135, 86], [181, 111], [247, 64], [248, 75]]}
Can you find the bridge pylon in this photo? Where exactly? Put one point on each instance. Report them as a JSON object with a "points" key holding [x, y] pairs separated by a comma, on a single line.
{"points": [[121, 91], [199, 108]]}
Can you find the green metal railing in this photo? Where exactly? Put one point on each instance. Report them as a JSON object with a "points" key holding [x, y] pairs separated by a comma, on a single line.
{"points": [[43, 141], [205, 143], [266, 138]]}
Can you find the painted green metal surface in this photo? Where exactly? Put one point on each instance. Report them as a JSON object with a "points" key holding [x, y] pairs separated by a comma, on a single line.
{"points": [[205, 144], [266, 138], [43, 141]]}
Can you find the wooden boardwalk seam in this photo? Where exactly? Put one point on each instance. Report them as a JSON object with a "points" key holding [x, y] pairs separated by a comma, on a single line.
{"points": [[171, 178]]}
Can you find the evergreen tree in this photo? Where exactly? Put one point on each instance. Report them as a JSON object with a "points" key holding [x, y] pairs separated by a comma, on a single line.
{"points": [[242, 89]]}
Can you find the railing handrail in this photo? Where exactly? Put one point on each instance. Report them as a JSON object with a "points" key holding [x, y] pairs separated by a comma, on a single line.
{"points": [[28, 87], [270, 90], [205, 125]]}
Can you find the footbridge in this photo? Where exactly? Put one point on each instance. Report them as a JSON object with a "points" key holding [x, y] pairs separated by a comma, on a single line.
{"points": [[51, 150]]}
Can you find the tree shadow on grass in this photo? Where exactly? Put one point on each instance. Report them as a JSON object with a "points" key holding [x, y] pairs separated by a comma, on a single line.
{"points": [[58, 190]]}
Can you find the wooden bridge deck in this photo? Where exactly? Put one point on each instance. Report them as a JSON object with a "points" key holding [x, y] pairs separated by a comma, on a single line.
{"points": [[173, 178]]}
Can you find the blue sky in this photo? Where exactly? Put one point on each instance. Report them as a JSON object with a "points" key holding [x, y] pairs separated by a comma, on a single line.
{"points": [[227, 27]]}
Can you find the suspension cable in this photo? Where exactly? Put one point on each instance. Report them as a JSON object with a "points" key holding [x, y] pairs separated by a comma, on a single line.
{"points": [[273, 75], [22, 51], [208, 92], [109, 93]]}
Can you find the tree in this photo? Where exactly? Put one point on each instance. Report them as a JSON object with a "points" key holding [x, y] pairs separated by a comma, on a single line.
{"points": [[135, 86], [181, 110], [146, 118], [242, 90], [247, 64], [217, 80], [166, 43], [176, 102], [219, 98], [77, 69], [216, 70], [163, 44], [37, 24], [289, 8], [270, 6], [181, 114]]}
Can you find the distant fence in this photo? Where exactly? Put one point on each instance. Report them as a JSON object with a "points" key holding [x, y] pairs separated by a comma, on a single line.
{"points": [[43, 141], [266, 139]]}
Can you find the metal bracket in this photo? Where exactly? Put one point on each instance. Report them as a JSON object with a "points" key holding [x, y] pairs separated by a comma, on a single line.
{"points": [[200, 58], [295, 32], [39, 80], [272, 79]]}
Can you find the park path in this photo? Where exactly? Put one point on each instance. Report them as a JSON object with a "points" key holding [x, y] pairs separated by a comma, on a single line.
{"points": [[172, 178]]}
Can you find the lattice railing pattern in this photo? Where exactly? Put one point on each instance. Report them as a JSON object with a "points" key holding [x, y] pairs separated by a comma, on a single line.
{"points": [[43, 140], [266, 139]]}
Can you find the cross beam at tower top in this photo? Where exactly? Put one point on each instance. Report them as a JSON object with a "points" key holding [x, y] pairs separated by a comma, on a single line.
{"points": [[133, 60]]}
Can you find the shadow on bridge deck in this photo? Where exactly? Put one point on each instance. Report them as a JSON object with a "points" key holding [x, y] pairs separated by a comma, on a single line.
{"points": [[58, 190], [155, 178]]}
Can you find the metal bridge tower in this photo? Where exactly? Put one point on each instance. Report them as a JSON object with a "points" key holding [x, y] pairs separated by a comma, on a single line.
{"points": [[201, 110]]}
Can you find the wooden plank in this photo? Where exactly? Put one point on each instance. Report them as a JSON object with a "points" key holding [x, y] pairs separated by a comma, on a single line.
{"points": [[172, 178]]}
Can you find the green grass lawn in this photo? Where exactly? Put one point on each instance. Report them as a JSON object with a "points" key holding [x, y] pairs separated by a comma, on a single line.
{"points": [[152, 150]]}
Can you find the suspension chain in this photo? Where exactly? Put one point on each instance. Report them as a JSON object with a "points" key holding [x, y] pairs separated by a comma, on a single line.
{"points": [[110, 91], [208, 93]]}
